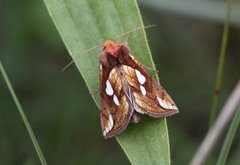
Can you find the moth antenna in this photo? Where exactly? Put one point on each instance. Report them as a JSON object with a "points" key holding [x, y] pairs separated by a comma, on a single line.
{"points": [[78, 56], [92, 48], [126, 38], [151, 69], [130, 31]]}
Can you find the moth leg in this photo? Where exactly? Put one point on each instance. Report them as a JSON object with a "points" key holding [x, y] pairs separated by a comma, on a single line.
{"points": [[135, 117]]}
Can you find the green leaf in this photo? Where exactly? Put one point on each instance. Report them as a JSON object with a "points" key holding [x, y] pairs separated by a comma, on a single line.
{"points": [[83, 24], [229, 138]]}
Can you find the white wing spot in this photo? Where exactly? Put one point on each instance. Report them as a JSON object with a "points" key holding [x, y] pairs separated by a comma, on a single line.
{"points": [[106, 130], [115, 100], [162, 103], [109, 126], [165, 105], [110, 122], [109, 89], [169, 106], [143, 90], [100, 67], [140, 77]]}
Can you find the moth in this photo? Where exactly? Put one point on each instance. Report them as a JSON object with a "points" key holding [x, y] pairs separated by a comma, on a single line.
{"points": [[128, 90]]}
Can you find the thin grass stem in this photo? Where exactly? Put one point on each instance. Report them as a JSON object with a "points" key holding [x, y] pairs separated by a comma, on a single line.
{"points": [[218, 83], [23, 116], [229, 138]]}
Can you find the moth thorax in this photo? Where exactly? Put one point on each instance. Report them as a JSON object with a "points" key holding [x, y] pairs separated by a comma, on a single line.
{"points": [[112, 61]]}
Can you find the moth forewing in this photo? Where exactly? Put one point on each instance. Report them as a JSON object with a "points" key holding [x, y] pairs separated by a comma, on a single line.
{"points": [[116, 111]]}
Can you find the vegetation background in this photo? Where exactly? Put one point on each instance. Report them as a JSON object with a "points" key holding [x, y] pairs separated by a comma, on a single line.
{"points": [[60, 109]]}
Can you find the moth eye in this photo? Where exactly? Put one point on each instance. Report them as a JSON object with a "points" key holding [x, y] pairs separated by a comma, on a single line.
{"points": [[140, 77]]}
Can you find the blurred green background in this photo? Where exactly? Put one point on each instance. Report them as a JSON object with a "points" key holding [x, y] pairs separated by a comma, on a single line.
{"points": [[60, 109]]}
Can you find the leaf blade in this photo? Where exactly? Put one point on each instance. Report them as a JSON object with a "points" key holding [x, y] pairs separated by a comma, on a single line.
{"points": [[88, 23]]}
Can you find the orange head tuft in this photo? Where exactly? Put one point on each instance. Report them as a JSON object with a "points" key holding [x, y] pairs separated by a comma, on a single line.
{"points": [[109, 43], [110, 46]]}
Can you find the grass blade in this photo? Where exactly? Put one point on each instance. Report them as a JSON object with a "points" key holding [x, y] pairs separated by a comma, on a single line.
{"points": [[217, 129], [83, 24], [23, 116], [229, 138], [218, 82]]}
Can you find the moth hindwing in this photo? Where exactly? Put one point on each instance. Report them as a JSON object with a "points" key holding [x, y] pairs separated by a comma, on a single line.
{"points": [[127, 90]]}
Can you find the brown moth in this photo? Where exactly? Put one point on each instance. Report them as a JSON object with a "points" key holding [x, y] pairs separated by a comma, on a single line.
{"points": [[127, 90]]}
